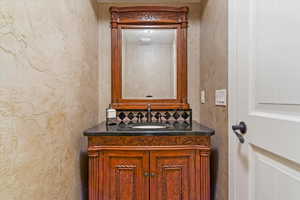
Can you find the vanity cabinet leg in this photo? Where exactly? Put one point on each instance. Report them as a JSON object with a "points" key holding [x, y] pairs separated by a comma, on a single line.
{"points": [[94, 176], [205, 175]]}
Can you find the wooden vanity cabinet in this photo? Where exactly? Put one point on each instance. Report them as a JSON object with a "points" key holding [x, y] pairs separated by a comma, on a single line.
{"points": [[136, 171], [124, 175], [174, 175]]}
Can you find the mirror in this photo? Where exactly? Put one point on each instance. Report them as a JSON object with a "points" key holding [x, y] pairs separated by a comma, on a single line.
{"points": [[149, 63], [149, 57]]}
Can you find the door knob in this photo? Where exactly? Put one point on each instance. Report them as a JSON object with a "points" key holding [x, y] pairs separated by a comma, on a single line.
{"points": [[146, 174], [152, 174], [149, 174], [242, 128]]}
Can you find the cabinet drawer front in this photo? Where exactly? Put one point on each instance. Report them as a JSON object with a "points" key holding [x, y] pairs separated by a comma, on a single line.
{"points": [[174, 175], [123, 172]]}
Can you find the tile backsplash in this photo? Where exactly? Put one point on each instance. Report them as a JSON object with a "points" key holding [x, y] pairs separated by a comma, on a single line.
{"points": [[163, 115]]}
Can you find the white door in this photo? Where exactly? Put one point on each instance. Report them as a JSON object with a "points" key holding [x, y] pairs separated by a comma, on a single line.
{"points": [[264, 89]]}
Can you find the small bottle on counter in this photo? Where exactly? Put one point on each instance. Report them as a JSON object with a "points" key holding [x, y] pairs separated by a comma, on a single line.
{"points": [[111, 116]]}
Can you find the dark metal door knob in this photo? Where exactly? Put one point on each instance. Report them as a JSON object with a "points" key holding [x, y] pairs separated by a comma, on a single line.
{"points": [[146, 174], [152, 174], [242, 128]]}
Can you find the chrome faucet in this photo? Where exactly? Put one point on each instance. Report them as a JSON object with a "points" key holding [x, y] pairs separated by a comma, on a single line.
{"points": [[149, 118]]}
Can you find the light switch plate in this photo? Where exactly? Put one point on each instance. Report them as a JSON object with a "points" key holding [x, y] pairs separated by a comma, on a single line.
{"points": [[221, 97], [202, 96]]}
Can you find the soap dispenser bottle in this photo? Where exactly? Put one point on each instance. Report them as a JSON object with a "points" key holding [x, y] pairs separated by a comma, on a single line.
{"points": [[111, 115]]}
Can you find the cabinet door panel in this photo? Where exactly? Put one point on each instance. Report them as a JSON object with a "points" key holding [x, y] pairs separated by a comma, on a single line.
{"points": [[124, 175], [174, 175]]}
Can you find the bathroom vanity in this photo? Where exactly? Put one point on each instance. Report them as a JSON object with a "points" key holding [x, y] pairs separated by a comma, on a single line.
{"points": [[128, 163], [155, 151]]}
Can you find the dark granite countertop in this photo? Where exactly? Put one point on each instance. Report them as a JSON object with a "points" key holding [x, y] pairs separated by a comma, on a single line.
{"points": [[176, 129]]}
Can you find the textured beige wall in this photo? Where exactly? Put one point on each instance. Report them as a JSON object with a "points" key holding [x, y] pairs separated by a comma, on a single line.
{"points": [[214, 76], [48, 96], [193, 57]]}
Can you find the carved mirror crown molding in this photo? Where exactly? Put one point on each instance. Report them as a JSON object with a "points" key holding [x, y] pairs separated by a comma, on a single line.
{"points": [[149, 15], [159, 17]]}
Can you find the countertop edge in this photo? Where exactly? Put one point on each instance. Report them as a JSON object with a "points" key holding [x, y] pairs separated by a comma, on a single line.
{"points": [[197, 130]]}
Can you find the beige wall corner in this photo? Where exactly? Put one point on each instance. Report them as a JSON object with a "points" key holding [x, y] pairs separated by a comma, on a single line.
{"points": [[48, 96], [213, 76]]}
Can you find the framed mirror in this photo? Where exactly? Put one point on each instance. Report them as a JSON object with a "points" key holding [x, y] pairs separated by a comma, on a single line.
{"points": [[149, 63], [149, 57]]}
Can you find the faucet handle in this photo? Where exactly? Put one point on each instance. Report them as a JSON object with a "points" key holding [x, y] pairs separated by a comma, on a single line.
{"points": [[149, 115]]}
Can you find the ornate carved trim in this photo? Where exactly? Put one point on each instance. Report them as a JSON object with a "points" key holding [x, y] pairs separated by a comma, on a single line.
{"points": [[148, 140], [149, 14], [93, 154], [205, 153], [126, 166]]}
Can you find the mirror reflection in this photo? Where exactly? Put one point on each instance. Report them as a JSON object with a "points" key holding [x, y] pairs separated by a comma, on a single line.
{"points": [[149, 63]]}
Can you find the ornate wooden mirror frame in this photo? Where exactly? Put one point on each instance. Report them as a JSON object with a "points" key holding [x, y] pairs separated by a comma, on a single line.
{"points": [[149, 17]]}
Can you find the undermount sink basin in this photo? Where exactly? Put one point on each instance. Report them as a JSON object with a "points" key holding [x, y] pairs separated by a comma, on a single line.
{"points": [[149, 127]]}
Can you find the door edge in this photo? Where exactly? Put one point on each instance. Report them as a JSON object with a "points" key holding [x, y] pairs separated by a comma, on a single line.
{"points": [[232, 96]]}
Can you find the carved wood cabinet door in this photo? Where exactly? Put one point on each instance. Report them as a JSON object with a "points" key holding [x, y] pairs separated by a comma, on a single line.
{"points": [[124, 175], [173, 175]]}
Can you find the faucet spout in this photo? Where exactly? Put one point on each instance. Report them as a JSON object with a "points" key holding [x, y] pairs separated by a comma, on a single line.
{"points": [[149, 117]]}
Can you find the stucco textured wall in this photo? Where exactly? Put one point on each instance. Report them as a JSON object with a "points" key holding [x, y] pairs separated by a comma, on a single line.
{"points": [[214, 76], [48, 96]]}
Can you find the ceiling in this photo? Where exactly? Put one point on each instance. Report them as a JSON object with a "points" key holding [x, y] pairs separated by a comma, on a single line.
{"points": [[149, 1]]}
